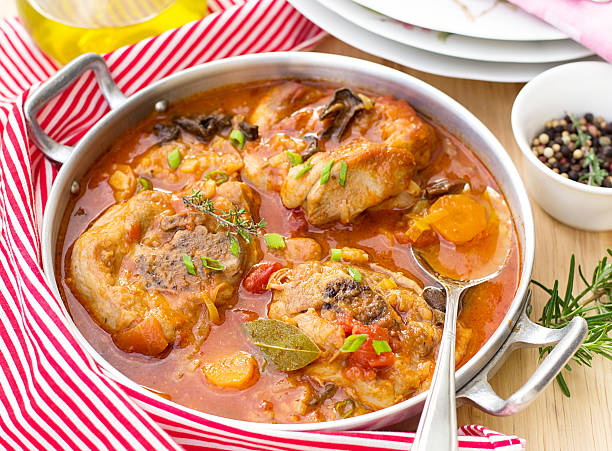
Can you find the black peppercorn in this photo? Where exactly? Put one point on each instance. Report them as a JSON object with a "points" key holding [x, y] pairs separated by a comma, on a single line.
{"points": [[566, 151]]}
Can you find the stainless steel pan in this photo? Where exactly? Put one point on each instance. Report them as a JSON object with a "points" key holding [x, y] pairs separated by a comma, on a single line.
{"points": [[515, 331]]}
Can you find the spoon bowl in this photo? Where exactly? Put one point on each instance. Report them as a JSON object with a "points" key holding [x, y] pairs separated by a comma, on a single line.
{"points": [[437, 428]]}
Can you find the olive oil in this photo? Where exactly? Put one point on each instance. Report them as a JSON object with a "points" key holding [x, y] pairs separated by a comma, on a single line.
{"points": [[65, 29]]}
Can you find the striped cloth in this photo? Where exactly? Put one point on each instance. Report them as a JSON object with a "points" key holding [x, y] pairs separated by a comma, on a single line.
{"points": [[52, 393]]}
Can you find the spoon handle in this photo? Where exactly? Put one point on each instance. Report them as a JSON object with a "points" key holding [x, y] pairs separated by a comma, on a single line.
{"points": [[438, 425]]}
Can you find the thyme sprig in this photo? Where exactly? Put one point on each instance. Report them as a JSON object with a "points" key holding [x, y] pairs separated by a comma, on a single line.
{"points": [[593, 303], [235, 220], [596, 173]]}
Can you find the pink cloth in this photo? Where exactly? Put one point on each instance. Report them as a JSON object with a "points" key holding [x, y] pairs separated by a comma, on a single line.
{"points": [[584, 21]]}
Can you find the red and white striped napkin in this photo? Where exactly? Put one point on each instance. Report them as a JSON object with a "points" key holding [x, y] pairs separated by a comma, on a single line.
{"points": [[52, 393]]}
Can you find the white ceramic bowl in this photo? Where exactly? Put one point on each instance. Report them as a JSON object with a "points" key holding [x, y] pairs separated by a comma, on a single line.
{"points": [[577, 88]]}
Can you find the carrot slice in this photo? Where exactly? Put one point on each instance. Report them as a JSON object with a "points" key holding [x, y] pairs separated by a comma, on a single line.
{"points": [[146, 337], [238, 371], [459, 218]]}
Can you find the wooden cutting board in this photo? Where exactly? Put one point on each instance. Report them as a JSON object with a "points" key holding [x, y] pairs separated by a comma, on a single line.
{"points": [[552, 422]]}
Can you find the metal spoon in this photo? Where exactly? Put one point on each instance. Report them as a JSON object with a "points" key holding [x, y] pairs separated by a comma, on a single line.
{"points": [[438, 425]]}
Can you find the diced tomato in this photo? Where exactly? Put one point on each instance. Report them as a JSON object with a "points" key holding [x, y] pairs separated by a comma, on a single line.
{"points": [[366, 356], [347, 323], [257, 280]]}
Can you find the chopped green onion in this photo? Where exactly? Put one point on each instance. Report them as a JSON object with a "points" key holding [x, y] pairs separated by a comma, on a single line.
{"points": [[174, 159], [353, 342], [345, 408], [234, 246], [326, 171], [188, 261], [144, 184], [217, 176], [213, 264], [354, 273], [381, 346], [274, 241], [343, 169], [307, 167], [336, 255], [294, 158], [237, 138]]}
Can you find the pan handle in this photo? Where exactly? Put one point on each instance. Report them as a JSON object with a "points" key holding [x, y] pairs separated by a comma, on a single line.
{"points": [[526, 333], [54, 86]]}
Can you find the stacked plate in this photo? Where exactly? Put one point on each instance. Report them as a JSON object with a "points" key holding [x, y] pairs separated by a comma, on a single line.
{"points": [[477, 39]]}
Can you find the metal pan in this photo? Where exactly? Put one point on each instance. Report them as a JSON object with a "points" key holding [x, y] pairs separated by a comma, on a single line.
{"points": [[515, 330]]}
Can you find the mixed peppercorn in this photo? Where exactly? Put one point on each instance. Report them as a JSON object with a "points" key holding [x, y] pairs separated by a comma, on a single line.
{"points": [[578, 149]]}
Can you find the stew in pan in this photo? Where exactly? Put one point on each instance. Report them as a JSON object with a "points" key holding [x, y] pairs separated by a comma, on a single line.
{"points": [[246, 252]]}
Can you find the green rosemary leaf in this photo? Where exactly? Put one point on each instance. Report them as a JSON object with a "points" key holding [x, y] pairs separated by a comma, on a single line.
{"points": [[593, 303]]}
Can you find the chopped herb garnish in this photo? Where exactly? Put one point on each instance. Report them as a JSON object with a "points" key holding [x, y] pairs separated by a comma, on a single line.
{"points": [[144, 184], [354, 273], [217, 176], [237, 139], [345, 408], [274, 241], [326, 171], [234, 246], [336, 255], [188, 261], [294, 158], [380, 346], [307, 167], [174, 159], [235, 220], [353, 342], [343, 169], [211, 263]]}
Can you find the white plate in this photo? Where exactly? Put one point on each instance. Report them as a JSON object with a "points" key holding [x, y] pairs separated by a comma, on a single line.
{"points": [[489, 19], [416, 58], [454, 44]]}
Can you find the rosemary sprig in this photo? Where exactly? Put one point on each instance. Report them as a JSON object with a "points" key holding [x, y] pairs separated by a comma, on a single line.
{"points": [[236, 221], [593, 303]]}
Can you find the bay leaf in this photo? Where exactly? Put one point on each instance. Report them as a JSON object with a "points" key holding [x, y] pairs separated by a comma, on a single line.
{"points": [[283, 344]]}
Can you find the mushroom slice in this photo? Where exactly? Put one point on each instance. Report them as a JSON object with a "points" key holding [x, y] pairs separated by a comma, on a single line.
{"points": [[343, 107], [441, 187], [205, 126]]}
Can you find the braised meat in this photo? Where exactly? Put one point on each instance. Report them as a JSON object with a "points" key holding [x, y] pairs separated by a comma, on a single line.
{"points": [[326, 302], [375, 172], [376, 143], [130, 271], [281, 100]]}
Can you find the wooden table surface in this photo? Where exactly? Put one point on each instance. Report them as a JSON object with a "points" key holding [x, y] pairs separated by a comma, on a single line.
{"points": [[552, 422]]}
